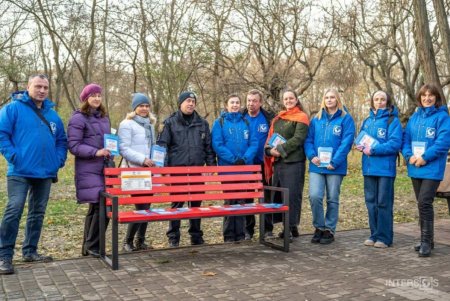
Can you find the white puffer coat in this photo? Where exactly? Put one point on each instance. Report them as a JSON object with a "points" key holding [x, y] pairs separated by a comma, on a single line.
{"points": [[134, 146]]}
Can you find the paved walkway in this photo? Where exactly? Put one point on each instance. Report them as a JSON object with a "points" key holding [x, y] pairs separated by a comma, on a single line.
{"points": [[344, 270]]}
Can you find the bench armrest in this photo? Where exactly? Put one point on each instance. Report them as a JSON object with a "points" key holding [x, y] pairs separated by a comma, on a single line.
{"points": [[284, 193]]}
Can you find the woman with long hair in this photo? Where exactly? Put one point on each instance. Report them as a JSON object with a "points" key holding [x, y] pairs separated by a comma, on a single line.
{"points": [[285, 161], [330, 138]]}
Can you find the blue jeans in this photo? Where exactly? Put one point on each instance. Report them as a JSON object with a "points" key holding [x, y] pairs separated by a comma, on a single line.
{"points": [[18, 188], [318, 185], [379, 195]]}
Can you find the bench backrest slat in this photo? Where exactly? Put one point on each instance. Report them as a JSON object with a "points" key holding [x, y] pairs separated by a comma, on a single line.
{"points": [[188, 188], [186, 169]]}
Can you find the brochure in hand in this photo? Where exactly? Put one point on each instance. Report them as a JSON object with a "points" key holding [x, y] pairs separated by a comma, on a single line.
{"points": [[325, 154], [364, 139], [111, 143], [418, 148], [276, 139], [158, 155]]}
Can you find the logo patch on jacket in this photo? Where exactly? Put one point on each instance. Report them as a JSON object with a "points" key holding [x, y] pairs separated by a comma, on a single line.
{"points": [[53, 127], [262, 128], [246, 134], [381, 133], [430, 133], [337, 130]]}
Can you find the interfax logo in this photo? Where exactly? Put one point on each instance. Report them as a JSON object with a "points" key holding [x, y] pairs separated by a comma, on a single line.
{"points": [[337, 130], [381, 133], [431, 132]]}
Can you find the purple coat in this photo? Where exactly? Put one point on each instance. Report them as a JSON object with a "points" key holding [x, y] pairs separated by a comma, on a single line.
{"points": [[85, 137]]}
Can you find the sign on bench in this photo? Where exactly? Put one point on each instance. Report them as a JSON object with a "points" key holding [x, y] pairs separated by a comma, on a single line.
{"points": [[209, 184]]}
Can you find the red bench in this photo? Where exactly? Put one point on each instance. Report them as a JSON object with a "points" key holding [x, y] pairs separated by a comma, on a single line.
{"points": [[183, 184]]}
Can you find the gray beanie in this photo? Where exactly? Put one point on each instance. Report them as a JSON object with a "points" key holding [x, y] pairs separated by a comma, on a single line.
{"points": [[138, 99]]}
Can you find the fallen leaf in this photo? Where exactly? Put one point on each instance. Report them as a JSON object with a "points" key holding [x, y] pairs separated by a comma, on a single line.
{"points": [[209, 273]]}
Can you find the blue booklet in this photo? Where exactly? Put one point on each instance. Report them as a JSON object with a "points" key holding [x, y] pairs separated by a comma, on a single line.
{"points": [[111, 143], [276, 139], [325, 155], [364, 139], [158, 155]]}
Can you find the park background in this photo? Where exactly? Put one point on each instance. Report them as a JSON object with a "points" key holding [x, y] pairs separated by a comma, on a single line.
{"points": [[217, 47]]}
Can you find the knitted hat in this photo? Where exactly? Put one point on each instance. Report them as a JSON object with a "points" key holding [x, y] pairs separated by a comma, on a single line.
{"points": [[88, 90], [138, 99], [185, 95]]}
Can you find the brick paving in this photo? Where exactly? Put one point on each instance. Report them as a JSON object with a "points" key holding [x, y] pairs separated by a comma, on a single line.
{"points": [[344, 270]]}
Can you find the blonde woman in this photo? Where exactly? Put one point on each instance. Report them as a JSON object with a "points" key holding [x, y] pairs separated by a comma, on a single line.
{"points": [[136, 138], [329, 140]]}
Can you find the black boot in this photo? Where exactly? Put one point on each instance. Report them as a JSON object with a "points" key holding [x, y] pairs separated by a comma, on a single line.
{"points": [[128, 241], [426, 238], [139, 243]]}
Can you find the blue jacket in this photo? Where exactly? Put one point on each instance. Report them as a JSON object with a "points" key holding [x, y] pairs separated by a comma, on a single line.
{"points": [[432, 126], [383, 156], [232, 139], [26, 141], [337, 132]]}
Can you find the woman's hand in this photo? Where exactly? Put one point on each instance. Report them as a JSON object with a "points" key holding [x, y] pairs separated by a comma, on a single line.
{"points": [[315, 161], [420, 162], [275, 153], [103, 153], [359, 147], [148, 162], [412, 160], [330, 167]]}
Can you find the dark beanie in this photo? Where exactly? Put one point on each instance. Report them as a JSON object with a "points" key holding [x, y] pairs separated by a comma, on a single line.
{"points": [[138, 99], [185, 95]]}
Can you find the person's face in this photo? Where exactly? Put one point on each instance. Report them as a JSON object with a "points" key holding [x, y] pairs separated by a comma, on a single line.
{"points": [[253, 104], [427, 99], [188, 106], [38, 89], [289, 100], [330, 101], [143, 110], [233, 105], [95, 100], [379, 101]]}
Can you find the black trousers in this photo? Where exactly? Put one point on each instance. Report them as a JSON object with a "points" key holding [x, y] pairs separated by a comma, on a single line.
{"points": [[139, 228], [425, 191], [291, 176], [194, 224], [91, 239], [233, 226], [250, 220]]}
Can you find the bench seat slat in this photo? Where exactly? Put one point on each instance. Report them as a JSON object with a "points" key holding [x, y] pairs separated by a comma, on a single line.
{"points": [[187, 198], [188, 188], [198, 212]]}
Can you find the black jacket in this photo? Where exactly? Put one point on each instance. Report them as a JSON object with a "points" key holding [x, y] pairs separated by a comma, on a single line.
{"points": [[187, 144]]}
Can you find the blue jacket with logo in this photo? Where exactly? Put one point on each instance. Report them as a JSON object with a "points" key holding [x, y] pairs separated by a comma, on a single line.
{"points": [[232, 139], [26, 141], [334, 131], [383, 156], [432, 126]]}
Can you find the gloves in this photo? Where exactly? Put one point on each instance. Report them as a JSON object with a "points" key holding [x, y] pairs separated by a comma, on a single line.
{"points": [[239, 162]]}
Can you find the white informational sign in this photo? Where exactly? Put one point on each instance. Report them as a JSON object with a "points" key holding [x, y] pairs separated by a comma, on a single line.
{"points": [[136, 180]]}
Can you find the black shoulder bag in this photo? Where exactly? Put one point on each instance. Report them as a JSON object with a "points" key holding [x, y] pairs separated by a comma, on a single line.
{"points": [[39, 114]]}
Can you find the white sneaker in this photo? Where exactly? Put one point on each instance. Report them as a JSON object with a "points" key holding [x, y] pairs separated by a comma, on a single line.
{"points": [[380, 245], [369, 243]]}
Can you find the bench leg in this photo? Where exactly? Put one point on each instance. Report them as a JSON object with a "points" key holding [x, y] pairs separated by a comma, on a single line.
{"points": [[102, 227], [287, 232], [115, 245]]}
